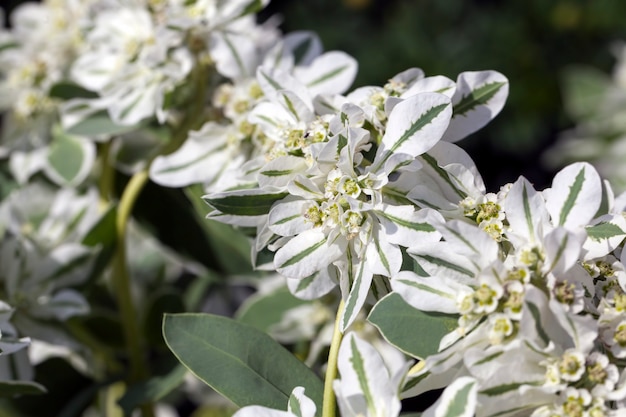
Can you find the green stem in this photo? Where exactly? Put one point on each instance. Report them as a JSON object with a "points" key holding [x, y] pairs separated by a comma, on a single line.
{"points": [[122, 285], [329, 407], [107, 174]]}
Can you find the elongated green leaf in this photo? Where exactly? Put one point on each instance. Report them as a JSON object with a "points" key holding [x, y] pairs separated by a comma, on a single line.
{"points": [[244, 202], [414, 332], [152, 390], [240, 362], [13, 388]]}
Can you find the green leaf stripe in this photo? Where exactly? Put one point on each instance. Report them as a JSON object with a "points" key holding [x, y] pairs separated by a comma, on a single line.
{"points": [[504, 388], [478, 97], [359, 367], [574, 191], [294, 406], [559, 252], [427, 289], [191, 162], [442, 173], [488, 358], [245, 205], [303, 254], [445, 264], [353, 297], [233, 51], [290, 106], [418, 227], [427, 117], [327, 76], [305, 282], [604, 230], [272, 82], [276, 172], [534, 311], [527, 213], [457, 406], [287, 219]]}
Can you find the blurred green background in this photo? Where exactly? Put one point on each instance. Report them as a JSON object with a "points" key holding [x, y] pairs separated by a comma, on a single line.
{"points": [[531, 42]]}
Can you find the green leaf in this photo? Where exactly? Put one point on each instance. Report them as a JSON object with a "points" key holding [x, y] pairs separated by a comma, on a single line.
{"points": [[264, 310], [604, 230], [152, 390], [67, 90], [103, 232], [99, 124], [414, 332], [69, 158], [240, 362], [244, 202], [14, 388]]}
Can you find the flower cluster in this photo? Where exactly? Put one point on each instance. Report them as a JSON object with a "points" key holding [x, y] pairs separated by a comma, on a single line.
{"points": [[356, 205]]}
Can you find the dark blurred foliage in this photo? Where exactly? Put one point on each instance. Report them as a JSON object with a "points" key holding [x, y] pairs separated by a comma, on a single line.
{"points": [[530, 42]]}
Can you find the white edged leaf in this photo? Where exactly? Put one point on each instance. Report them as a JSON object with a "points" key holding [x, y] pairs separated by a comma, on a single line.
{"points": [[438, 294], [201, 158], [300, 405], [360, 275], [457, 400], [469, 240], [314, 286], [525, 210], [330, 73], [278, 172], [441, 259], [403, 225], [479, 97], [383, 257], [414, 126], [575, 195], [562, 248], [604, 235], [253, 202], [365, 386], [308, 253], [434, 84], [287, 219]]}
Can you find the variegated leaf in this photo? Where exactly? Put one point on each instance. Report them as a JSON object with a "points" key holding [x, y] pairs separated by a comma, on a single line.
{"points": [[360, 275], [479, 97], [278, 172], [525, 210], [365, 387], [252, 202], [438, 294], [414, 126], [308, 253], [457, 400], [604, 235], [287, 219], [330, 73], [575, 195], [404, 226]]}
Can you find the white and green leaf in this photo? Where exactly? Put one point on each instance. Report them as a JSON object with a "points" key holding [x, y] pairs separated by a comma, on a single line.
{"points": [[575, 195], [479, 97], [415, 125]]}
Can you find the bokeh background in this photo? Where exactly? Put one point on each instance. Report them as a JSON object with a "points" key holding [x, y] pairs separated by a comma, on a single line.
{"points": [[532, 42]]}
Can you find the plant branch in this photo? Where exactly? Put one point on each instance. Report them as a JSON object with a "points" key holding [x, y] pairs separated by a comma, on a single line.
{"points": [[329, 406]]}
